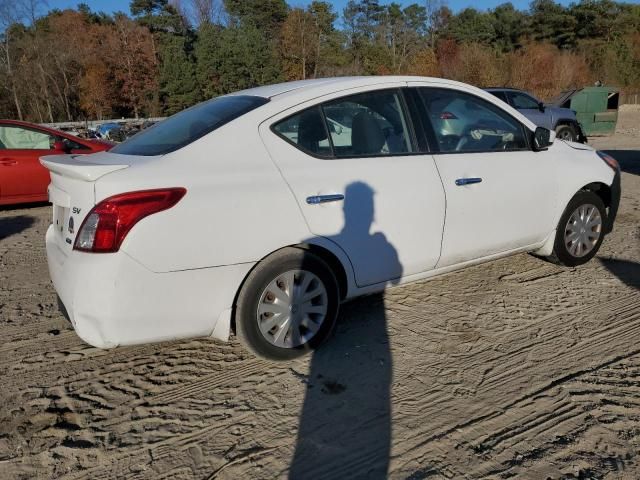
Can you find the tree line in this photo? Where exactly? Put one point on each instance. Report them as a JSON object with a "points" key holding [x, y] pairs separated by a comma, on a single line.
{"points": [[163, 56]]}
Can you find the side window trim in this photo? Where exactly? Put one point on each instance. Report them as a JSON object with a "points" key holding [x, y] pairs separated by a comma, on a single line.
{"points": [[526, 133], [409, 120], [427, 142], [325, 124], [404, 111]]}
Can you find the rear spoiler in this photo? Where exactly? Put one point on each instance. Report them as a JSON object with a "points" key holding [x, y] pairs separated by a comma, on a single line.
{"points": [[79, 167]]}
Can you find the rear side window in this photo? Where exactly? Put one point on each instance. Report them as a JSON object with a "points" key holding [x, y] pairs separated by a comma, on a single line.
{"points": [[500, 95], [18, 138], [370, 123], [189, 125], [366, 124], [306, 130], [466, 123]]}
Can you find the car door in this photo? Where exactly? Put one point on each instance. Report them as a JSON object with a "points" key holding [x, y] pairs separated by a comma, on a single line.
{"points": [[22, 177], [356, 173], [530, 108], [500, 194]]}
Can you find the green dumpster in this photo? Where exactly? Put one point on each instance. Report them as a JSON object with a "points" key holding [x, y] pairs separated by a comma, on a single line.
{"points": [[596, 108]]}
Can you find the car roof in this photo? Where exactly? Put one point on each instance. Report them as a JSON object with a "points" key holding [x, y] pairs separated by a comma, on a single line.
{"points": [[282, 90], [505, 89], [283, 96], [22, 123]]}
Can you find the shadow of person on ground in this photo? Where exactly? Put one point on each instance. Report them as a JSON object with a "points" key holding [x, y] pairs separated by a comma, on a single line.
{"points": [[625, 270], [345, 424], [629, 160], [13, 225]]}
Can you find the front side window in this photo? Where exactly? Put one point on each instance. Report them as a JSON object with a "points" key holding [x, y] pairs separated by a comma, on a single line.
{"points": [[18, 138], [189, 125], [522, 101], [71, 145], [466, 123]]}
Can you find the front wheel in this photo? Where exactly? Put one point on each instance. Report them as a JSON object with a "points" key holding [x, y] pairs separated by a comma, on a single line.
{"points": [[566, 132], [580, 230], [288, 305]]}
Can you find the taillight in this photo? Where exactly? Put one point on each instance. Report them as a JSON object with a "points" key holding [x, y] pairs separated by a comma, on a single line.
{"points": [[447, 116], [109, 222], [609, 160]]}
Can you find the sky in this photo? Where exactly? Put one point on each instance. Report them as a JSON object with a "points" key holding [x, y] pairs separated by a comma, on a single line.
{"points": [[111, 6]]}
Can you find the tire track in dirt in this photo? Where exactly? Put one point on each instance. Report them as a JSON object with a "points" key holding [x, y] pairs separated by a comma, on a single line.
{"points": [[514, 368]]}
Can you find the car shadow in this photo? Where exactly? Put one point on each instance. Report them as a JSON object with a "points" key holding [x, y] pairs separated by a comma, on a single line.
{"points": [[21, 206], [345, 422], [627, 271], [629, 160], [13, 225]]}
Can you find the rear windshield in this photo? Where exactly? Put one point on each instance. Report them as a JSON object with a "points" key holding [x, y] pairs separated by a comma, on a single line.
{"points": [[189, 125]]}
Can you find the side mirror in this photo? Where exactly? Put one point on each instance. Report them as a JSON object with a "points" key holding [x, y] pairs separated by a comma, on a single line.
{"points": [[541, 107], [541, 139], [61, 146]]}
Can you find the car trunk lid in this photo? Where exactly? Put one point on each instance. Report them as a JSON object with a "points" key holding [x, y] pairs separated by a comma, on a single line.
{"points": [[72, 189]]}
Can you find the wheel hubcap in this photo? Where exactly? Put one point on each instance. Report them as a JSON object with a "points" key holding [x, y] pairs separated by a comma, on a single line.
{"points": [[292, 308], [583, 230]]}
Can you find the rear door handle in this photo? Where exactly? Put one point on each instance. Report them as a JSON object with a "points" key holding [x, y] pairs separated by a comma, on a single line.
{"points": [[467, 181], [318, 199], [7, 162]]}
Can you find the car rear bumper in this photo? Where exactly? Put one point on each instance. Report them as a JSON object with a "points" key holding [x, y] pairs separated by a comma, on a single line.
{"points": [[113, 300], [616, 192]]}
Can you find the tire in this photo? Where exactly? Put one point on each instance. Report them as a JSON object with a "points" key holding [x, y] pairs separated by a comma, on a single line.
{"points": [[273, 290], [566, 132], [584, 247]]}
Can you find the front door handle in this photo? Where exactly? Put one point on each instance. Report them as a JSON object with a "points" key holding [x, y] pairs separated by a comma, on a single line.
{"points": [[467, 181], [318, 199], [7, 162]]}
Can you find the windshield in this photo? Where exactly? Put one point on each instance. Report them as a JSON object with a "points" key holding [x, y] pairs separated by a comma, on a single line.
{"points": [[189, 125]]}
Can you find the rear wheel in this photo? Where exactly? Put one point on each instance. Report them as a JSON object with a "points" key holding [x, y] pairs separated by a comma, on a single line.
{"points": [[580, 230], [288, 305], [566, 132]]}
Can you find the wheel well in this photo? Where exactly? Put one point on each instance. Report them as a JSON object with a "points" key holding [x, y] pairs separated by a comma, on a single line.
{"points": [[334, 263], [600, 189], [564, 123]]}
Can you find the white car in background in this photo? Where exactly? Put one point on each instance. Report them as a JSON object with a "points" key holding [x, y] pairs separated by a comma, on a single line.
{"points": [[263, 210]]}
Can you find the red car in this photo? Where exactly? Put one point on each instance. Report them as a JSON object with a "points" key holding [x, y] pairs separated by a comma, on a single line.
{"points": [[22, 178]]}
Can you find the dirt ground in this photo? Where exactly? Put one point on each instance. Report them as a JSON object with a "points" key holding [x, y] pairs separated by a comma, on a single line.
{"points": [[512, 369]]}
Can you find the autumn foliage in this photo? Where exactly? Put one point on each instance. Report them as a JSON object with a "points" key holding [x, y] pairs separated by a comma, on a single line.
{"points": [[167, 55]]}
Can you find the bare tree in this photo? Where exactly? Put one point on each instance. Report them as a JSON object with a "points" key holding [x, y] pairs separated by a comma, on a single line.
{"points": [[11, 13], [435, 9], [201, 11]]}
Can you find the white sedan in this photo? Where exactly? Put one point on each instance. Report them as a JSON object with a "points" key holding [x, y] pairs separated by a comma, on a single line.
{"points": [[254, 212]]}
